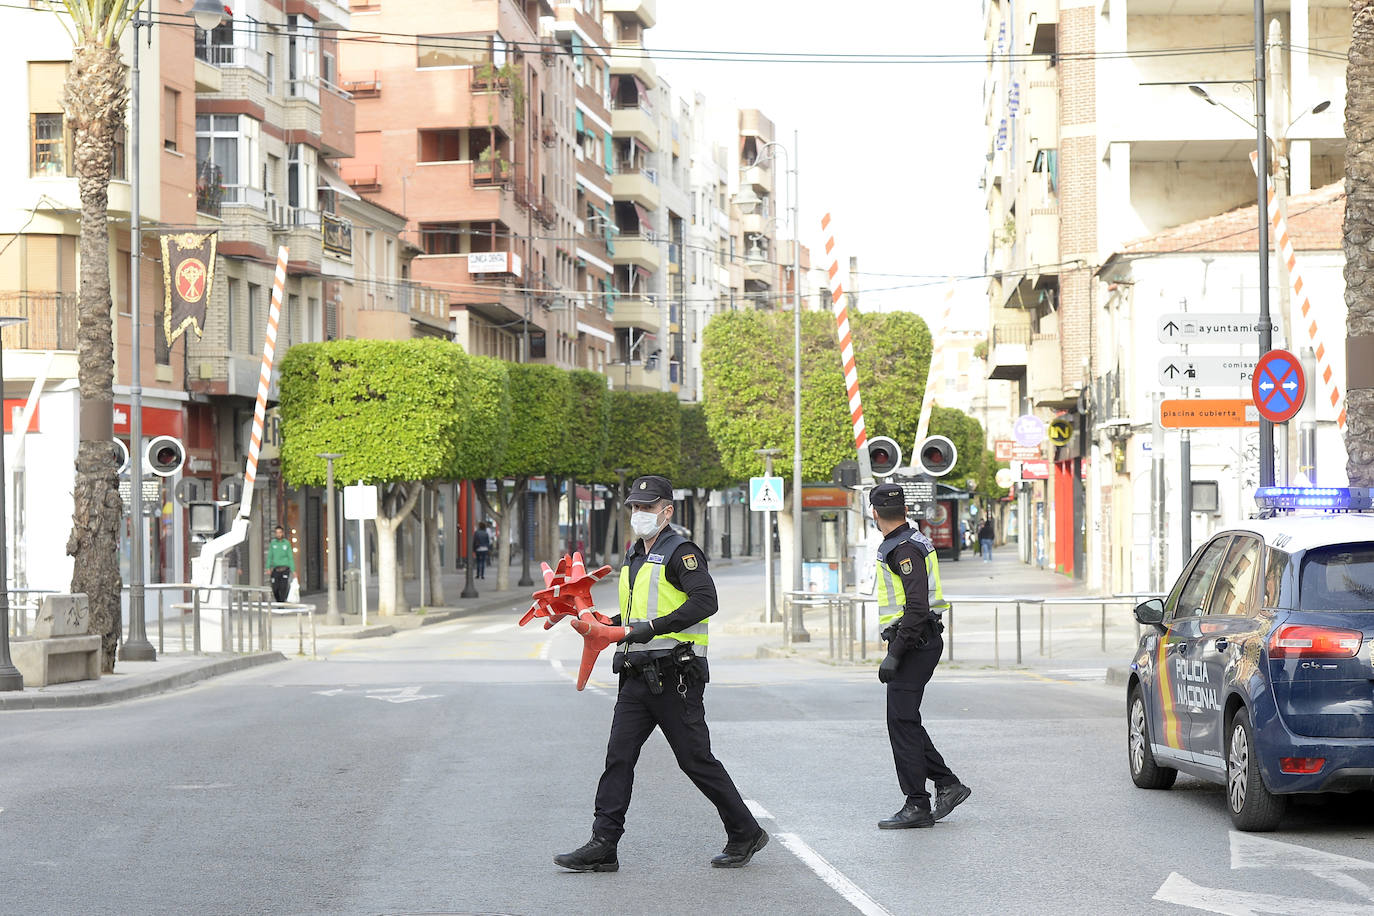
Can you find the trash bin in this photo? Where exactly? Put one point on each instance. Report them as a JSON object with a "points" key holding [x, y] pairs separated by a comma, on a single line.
{"points": [[353, 593]]}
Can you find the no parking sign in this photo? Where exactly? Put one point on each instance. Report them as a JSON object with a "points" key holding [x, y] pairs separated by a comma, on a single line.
{"points": [[1278, 386]]}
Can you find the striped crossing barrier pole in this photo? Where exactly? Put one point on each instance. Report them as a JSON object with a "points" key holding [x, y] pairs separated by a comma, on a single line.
{"points": [[269, 351], [1284, 249], [851, 372], [928, 398]]}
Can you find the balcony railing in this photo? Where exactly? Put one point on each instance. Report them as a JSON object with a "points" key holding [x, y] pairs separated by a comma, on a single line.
{"points": [[240, 195], [362, 177], [51, 320], [1011, 334], [308, 89], [231, 56], [362, 86], [489, 173]]}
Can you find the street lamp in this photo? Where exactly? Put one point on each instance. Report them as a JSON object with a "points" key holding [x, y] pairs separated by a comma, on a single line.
{"points": [[207, 15], [768, 151], [331, 617], [10, 678], [768, 454]]}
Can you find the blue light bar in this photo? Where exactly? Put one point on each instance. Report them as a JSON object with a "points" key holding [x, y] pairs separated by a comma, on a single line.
{"points": [[1313, 498]]}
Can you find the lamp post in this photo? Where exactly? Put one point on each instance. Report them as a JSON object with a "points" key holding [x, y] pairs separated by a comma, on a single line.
{"points": [[768, 454], [331, 617], [10, 678], [208, 14], [469, 583]]}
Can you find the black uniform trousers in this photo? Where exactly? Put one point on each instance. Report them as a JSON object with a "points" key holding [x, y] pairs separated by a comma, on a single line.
{"points": [[913, 752], [683, 720]]}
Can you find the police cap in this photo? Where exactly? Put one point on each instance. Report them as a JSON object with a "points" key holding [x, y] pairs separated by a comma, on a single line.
{"points": [[887, 496], [650, 489]]}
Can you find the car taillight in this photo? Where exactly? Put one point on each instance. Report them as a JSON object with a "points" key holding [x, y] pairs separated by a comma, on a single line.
{"points": [[1301, 764], [1297, 641]]}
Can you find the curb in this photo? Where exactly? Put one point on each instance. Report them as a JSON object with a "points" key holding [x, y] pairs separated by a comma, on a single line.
{"points": [[135, 691]]}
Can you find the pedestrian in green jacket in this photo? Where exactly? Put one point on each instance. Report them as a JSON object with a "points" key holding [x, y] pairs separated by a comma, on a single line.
{"points": [[281, 562]]}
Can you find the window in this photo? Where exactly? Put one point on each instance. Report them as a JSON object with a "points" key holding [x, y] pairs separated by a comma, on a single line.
{"points": [[171, 113], [1236, 581], [254, 299], [1192, 598], [443, 146], [271, 69], [455, 51], [217, 142], [119, 156], [1274, 569], [302, 181], [48, 144], [390, 260], [1338, 578], [231, 305]]}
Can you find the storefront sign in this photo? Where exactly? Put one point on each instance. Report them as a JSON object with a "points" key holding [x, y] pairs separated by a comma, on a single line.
{"points": [[14, 411]]}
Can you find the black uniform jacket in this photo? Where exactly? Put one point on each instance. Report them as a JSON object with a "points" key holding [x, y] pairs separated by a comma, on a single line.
{"points": [[907, 560]]}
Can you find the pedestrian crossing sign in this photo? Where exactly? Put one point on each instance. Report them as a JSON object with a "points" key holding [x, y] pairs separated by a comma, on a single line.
{"points": [[765, 494]]}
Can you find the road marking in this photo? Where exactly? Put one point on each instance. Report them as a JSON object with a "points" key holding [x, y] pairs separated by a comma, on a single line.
{"points": [[544, 649], [832, 876], [1178, 889], [194, 786], [757, 810], [388, 694], [1249, 851], [494, 628], [1079, 674], [446, 627]]}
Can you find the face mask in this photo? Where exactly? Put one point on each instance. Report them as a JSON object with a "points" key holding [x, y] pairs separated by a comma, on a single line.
{"points": [[644, 524]]}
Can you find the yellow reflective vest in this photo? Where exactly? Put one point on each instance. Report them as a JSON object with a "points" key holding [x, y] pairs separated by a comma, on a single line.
{"points": [[890, 592], [651, 595]]}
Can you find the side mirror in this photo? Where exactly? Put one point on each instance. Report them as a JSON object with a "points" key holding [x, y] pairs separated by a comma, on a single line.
{"points": [[1150, 612]]}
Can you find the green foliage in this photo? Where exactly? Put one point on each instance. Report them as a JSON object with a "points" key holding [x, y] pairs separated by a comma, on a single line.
{"points": [[701, 465], [539, 397], [987, 477], [486, 404], [587, 426], [747, 364], [97, 22], [892, 352], [967, 435], [395, 410], [645, 436]]}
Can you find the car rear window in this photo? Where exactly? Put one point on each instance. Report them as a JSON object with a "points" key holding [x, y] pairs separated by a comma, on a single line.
{"points": [[1338, 578]]}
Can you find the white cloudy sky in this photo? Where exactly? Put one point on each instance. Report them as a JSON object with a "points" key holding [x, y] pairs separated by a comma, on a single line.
{"points": [[894, 152]]}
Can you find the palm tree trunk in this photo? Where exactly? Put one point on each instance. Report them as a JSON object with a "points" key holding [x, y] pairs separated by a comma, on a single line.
{"points": [[1359, 238], [97, 97]]}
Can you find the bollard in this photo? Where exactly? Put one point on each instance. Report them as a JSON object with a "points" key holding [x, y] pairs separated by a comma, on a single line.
{"points": [[161, 642], [850, 615], [195, 620], [951, 632], [1042, 629], [1018, 633], [300, 634], [1050, 634], [830, 611], [1104, 628], [997, 635], [863, 631]]}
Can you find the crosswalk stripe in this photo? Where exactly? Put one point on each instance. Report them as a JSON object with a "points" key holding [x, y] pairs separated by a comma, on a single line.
{"points": [[495, 628]]}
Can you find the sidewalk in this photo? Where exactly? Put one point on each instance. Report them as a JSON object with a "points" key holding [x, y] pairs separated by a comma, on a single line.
{"points": [[132, 680]]}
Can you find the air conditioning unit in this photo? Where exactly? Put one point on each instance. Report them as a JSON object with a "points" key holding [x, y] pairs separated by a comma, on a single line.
{"points": [[276, 213]]}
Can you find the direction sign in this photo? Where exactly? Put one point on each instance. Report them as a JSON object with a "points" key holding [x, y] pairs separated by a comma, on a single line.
{"points": [[918, 491], [1206, 371], [360, 502], [1029, 429], [1211, 327], [1279, 386], [765, 494], [1207, 413]]}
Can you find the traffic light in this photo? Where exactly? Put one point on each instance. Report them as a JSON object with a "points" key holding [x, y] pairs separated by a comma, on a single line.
{"points": [[884, 456], [936, 456], [122, 456], [164, 455]]}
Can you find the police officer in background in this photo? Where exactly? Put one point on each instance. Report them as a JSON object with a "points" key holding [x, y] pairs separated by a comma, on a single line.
{"points": [[666, 596], [910, 602]]}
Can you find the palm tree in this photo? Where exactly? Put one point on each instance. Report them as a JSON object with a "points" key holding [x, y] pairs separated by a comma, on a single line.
{"points": [[97, 99], [1359, 231]]}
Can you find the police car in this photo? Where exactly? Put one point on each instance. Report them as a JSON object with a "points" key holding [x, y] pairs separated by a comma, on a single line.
{"points": [[1257, 670]]}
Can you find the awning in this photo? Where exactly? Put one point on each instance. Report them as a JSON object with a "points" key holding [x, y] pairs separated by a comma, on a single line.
{"points": [[646, 222], [330, 180], [581, 124]]}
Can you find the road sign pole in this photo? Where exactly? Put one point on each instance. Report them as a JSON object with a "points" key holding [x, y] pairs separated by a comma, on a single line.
{"points": [[1157, 499], [1185, 492]]}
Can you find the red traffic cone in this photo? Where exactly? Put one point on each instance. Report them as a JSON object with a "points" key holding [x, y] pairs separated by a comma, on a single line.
{"points": [[596, 636]]}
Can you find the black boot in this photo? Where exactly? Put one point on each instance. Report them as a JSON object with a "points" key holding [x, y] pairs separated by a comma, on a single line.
{"points": [[597, 854], [947, 798], [911, 815], [737, 854]]}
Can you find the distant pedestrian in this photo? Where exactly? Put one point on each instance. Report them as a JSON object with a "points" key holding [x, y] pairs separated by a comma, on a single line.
{"points": [[666, 597], [481, 548], [985, 539], [281, 562], [910, 602]]}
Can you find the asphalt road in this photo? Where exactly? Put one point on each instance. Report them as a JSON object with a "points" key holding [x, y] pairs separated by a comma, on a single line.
{"points": [[439, 771]]}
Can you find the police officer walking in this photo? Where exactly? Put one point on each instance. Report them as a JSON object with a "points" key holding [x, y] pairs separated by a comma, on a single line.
{"points": [[910, 602], [666, 596]]}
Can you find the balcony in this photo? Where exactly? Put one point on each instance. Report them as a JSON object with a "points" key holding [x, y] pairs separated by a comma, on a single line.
{"points": [[636, 122], [338, 122], [365, 179], [51, 320], [208, 76], [1008, 351], [636, 312], [639, 377], [760, 270], [641, 251], [209, 188], [759, 175], [637, 185], [756, 224], [646, 11], [363, 85], [1046, 371], [633, 60], [1042, 243]]}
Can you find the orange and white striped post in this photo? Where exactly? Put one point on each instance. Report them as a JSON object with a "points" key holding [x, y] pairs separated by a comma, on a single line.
{"points": [[851, 372], [269, 352]]}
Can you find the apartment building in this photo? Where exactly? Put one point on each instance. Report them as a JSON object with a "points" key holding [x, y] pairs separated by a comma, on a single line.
{"points": [[1095, 139], [756, 234], [709, 245], [38, 282]]}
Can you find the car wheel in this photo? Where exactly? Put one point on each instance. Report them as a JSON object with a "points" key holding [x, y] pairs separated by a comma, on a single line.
{"points": [[1145, 773], [1252, 805]]}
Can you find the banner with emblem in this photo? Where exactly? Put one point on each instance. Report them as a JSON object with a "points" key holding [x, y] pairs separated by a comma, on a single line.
{"points": [[188, 273]]}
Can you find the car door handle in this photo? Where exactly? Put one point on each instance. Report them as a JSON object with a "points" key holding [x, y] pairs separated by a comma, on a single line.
{"points": [[1222, 644]]}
